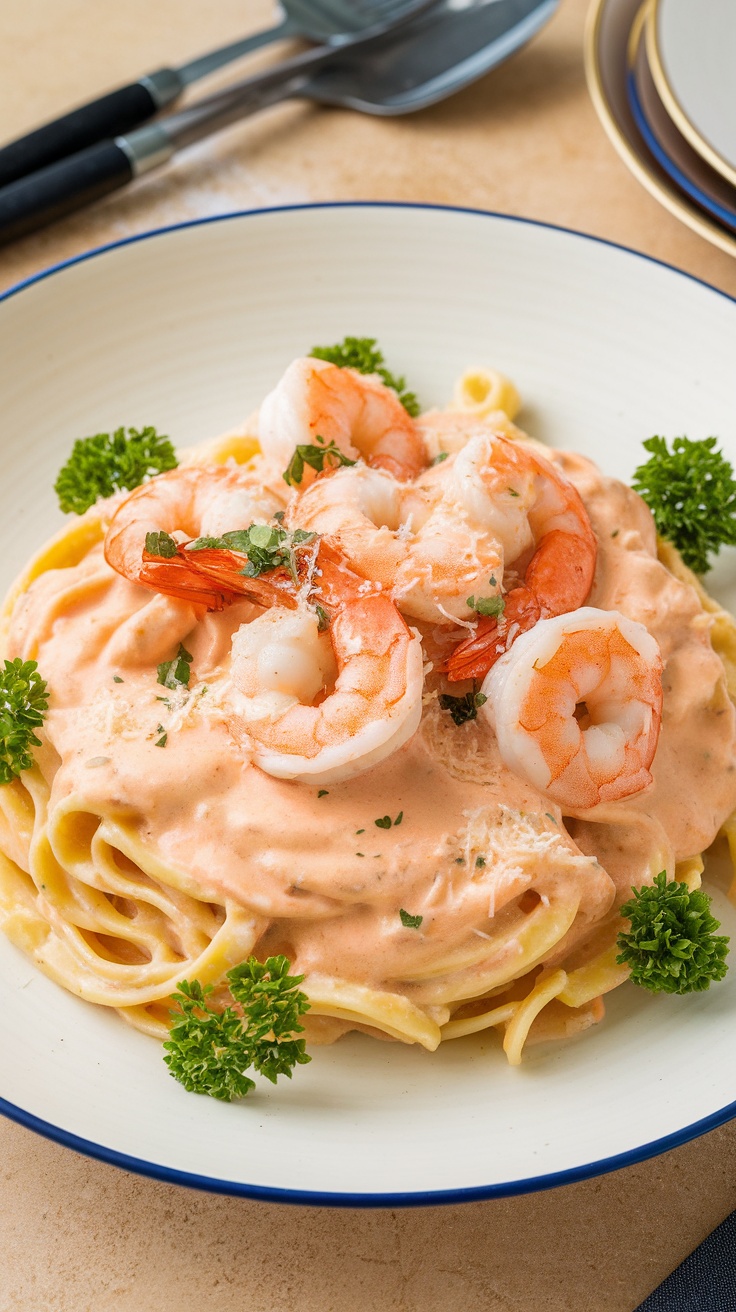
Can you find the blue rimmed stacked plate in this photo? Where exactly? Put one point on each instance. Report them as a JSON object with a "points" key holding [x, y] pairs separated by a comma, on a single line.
{"points": [[660, 79]]}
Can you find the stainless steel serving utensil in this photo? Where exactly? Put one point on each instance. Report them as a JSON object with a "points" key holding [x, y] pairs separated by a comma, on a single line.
{"points": [[443, 49], [328, 22], [450, 44]]}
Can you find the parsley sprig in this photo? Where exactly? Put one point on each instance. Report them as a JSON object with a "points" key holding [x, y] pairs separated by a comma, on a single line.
{"points": [[362, 353], [671, 946], [24, 700], [110, 462], [209, 1051], [691, 492], [324, 455], [265, 547], [463, 708]]}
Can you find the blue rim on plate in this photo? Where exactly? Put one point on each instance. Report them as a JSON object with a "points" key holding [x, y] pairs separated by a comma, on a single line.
{"points": [[424, 1198], [727, 217]]}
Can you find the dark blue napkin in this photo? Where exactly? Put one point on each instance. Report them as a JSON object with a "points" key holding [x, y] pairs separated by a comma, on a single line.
{"points": [[706, 1280]]}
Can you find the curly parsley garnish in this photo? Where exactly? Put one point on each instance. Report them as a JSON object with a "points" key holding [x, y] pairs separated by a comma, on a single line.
{"points": [[111, 462], [326, 455], [362, 353], [691, 492], [671, 946], [490, 606], [176, 673], [464, 708], [209, 1051], [24, 699], [409, 921], [265, 547]]}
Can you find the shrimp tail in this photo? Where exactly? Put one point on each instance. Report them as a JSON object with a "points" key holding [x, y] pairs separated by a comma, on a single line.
{"points": [[175, 578], [560, 573], [224, 570], [212, 578], [558, 580], [473, 658]]}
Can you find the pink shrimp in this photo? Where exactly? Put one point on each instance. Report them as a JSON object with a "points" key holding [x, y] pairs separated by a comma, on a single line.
{"points": [[210, 501], [189, 501], [526, 501], [576, 705], [317, 402]]}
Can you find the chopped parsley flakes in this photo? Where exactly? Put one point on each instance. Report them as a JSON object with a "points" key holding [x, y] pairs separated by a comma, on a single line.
{"points": [[409, 921]]}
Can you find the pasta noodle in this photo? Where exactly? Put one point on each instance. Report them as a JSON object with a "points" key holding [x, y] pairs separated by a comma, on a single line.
{"points": [[125, 868]]}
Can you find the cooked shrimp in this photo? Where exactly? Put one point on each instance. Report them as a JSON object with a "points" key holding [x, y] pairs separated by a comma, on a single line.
{"points": [[576, 705], [411, 539], [317, 401], [525, 502], [187, 502], [282, 665]]}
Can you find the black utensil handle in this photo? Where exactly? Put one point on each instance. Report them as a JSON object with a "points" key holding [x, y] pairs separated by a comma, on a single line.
{"points": [[61, 188], [110, 116]]}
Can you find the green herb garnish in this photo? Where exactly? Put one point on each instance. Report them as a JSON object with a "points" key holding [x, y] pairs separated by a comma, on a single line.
{"points": [[323, 792], [362, 353], [479, 861], [265, 547], [107, 463], [691, 493], [24, 699], [176, 673], [670, 945], [161, 742], [464, 708], [491, 606], [116, 679], [209, 1051], [161, 544], [409, 921], [323, 619], [324, 455], [439, 458]]}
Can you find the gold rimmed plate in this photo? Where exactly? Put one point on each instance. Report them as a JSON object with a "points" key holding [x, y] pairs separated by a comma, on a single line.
{"points": [[687, 169], [691, 49], [613, 26]]}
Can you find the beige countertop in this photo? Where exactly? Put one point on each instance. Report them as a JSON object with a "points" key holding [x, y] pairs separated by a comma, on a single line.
{"points": [[78, 1235]]}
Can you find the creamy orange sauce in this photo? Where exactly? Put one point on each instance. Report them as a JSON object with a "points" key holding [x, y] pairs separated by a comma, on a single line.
{"points": [[325, 880]]}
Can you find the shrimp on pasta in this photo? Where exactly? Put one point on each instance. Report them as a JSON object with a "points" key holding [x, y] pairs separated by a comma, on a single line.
{"points": [[317, 401], [527, 503], [322, 707], [576, 706]]}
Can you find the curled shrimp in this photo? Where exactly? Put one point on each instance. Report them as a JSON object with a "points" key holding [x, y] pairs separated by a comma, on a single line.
{"points": [[527, 503], [576, 705], [316, 401], [370, 666], [188, 502], [409, 538]]}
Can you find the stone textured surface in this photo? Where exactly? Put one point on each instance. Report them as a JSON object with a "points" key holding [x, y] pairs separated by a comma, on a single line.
{"points": [[78, 1235]]}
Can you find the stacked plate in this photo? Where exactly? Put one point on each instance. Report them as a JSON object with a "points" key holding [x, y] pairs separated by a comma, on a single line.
{"points": [[661, 78]]}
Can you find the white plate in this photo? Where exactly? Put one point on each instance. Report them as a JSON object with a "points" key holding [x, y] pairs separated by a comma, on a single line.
{"points": [[611, 30], [691, 51], [187, 329]]}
